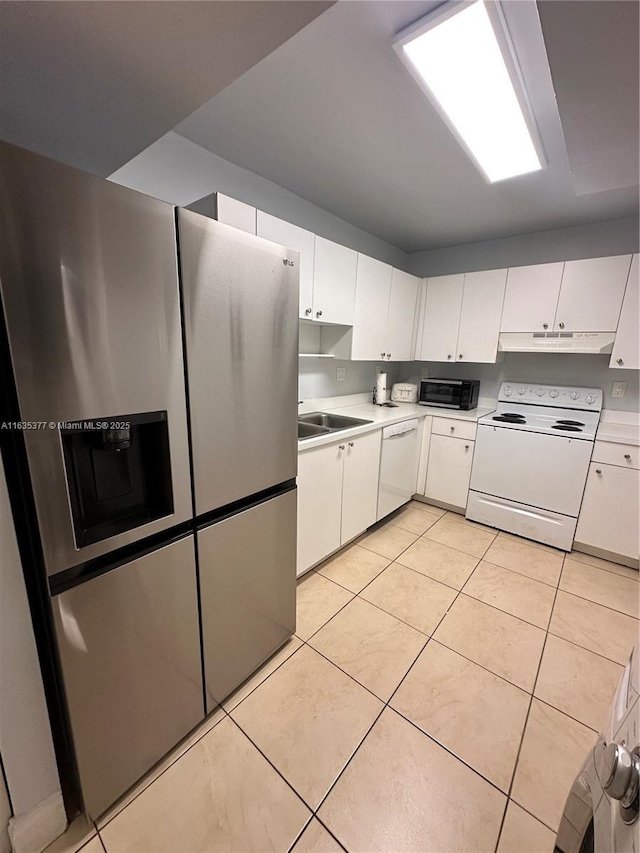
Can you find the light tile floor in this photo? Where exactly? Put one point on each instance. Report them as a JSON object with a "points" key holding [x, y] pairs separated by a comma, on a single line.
{"points": [[442, 690]]}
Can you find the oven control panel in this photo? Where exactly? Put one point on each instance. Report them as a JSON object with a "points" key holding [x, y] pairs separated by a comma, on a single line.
{"points": [[551, 395]]}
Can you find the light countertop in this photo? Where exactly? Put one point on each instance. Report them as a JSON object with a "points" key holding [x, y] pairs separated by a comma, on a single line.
{"points": [[381, 416]]}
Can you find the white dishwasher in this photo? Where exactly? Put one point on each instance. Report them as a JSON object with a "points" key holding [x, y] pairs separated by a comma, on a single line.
{"points": [[398, 466]]}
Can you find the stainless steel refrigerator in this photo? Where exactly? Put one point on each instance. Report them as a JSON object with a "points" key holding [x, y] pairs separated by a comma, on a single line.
{"points": [[143, 544]]}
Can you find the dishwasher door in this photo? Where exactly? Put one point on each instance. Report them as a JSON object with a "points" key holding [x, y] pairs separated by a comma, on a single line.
{"points": [[398, 466]]}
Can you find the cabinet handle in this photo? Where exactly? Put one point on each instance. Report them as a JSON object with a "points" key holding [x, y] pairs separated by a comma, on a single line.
{"points": [[598, 471], [318, 313], [383, 354], [561, 325], [449, 356], [619, 361], [341, 446], [459, 355], [466, 447], [453, 429], [545, 325], [627, 456], [388, 356], [308, 311], [350, 444]]}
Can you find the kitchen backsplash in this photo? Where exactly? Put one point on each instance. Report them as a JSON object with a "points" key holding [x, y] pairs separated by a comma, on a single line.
{"points": [[317, 377], [544, 368]]}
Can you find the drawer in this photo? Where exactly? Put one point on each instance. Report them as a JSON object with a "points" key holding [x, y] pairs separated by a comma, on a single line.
{"points": [[455, 428], [612, 453]]}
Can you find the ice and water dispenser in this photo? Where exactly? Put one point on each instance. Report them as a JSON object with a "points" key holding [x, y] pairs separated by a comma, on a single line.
{"points": [[118, 473]]}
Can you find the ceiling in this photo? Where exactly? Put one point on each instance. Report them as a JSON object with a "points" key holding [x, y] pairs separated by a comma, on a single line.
{"points": [[94, 83], [333, 116], [311, 95]]}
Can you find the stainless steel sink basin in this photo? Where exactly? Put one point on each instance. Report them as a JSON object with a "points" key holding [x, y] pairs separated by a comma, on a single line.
{"points": [[310, 430], [333, 423]]}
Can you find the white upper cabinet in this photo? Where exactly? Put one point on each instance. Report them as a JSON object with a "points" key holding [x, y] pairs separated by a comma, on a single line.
{"points": [[230, 211], [531, 298], [373, 288], [626, 349], [334, 282], [441, 318], [403, 304], [591, 294], [293, 237], [482, 301]]}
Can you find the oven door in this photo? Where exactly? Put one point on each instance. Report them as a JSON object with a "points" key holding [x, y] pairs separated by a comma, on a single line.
{"points": [[446, 393]]}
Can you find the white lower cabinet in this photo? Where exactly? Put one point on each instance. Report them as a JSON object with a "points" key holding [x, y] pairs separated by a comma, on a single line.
{"points": [[337, 495], [610, 512], [449, 469]]}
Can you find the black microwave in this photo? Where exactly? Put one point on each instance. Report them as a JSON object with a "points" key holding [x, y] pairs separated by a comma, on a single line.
{"points": [[450, 393]]}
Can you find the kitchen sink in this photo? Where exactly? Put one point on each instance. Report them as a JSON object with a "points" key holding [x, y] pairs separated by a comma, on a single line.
{"points": [[332, 423], [311, 430]]}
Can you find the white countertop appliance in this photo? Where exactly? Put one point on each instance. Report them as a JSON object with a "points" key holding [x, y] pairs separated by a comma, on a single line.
{"points": [[404, 392], [531, 461], [398, 465], [601, 812]]}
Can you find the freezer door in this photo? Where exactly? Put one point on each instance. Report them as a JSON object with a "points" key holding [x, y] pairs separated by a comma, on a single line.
{"points": [[89, 279], [130, 654], [241, 322], [248, 591]]}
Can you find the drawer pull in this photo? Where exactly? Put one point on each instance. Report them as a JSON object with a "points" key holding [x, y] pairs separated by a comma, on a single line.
{"points": [[598, 471], [619, 361], [453, 429], [341, 446], [466, 447], [350, 444], [627, 456]]}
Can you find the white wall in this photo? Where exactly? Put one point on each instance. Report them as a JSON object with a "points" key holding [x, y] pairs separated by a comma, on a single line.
{"points": [[25, 734], [545, 368], [317, 377], [177, 170]]}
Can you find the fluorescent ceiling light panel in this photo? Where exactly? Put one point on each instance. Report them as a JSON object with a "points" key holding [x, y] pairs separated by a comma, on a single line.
{"points": [[458, 60]]}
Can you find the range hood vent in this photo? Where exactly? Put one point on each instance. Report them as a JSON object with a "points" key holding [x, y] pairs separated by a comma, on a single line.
{"points": [[576, 342]]}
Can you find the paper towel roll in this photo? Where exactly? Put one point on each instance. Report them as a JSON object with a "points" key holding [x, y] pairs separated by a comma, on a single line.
{"points": [[381, 388]]}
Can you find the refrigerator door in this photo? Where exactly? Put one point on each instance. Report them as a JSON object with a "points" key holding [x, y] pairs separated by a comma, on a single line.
{"points": [[241, 324], [247, 590], [130, 654], [88, 272]]}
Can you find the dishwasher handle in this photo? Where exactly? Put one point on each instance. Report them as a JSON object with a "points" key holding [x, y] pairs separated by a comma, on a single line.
{"points": [[396, 430]]}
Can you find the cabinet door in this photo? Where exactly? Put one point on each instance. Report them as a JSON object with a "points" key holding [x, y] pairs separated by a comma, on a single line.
{"points": [[319, 504], [236, 213], [610, 511], [480, 318], [591, 294], [373, 284], [360, 484], [626, 349], [449, 470], [402, 315], [441, 318], [334, 282], [286, 234], [531, 298]]}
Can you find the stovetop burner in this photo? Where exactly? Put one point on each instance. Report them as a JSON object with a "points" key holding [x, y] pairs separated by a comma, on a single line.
{"points": [[510, 418], [566, 427], [571, 423]]}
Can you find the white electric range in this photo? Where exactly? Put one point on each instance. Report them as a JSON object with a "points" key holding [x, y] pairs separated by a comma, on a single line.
{"points": [[531, 461]]}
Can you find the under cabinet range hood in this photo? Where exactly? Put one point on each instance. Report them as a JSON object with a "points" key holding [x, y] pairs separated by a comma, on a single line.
{"points": [[576, 342]]}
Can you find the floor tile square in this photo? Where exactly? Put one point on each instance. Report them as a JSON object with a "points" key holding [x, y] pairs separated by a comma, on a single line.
{"points": [[531, 542], [318, 599], [514, 593], [402, 789], [461, 536], [414, 520], [522, 833], [370, 645], [353, 567], [553, 750], [594, 627], [607, 565], [410, 596], [316, 839], [265, 671], [439, 562], [517, 555], [607, 588], [473, 713], [93, 846], [308, 718], [222, 795], [501, 643], [577, 681], [388, 540]]}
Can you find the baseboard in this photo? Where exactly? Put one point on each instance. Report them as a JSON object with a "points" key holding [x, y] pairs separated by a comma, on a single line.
{"points": [[439, 504], [32, 832], [606, 555]]}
